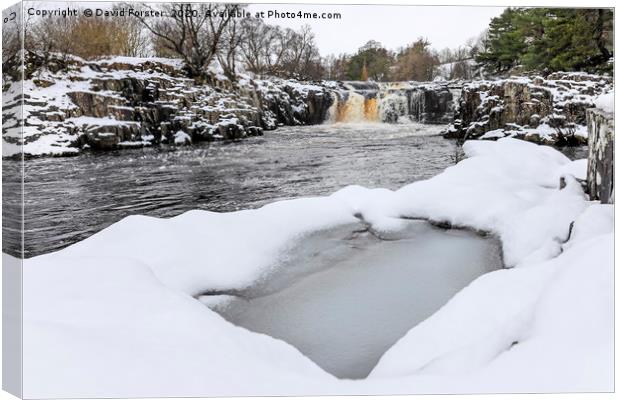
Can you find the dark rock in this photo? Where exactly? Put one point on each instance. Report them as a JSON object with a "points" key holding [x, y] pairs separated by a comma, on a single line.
{"points": [[94, 104], [432, 104], [523, 104], [600, 178], [102, 140], [231, 130]]}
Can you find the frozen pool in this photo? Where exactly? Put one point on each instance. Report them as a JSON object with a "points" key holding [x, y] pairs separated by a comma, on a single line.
{"points": [[346, 296]]}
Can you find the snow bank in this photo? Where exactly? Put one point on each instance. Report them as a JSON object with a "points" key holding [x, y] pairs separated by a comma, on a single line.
{"points": [[202, 251], [108, 319], [119, 304]]}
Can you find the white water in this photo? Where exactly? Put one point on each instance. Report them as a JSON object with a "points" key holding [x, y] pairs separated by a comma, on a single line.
{"points": [[390, 102], [346, 297]]}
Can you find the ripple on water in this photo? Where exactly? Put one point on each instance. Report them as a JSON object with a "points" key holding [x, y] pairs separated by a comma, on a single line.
{"points": [[78, 196]]}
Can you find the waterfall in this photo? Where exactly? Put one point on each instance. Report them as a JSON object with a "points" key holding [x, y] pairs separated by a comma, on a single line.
{"points": [[391, 102], [352, 110], [393, 106], [356, 102], [417, 105]]}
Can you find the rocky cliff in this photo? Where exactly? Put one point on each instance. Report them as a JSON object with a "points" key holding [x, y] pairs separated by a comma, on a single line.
{"points": [[72, 105], [548, 111]]}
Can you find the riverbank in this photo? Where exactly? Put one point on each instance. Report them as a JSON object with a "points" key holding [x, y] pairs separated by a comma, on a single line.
{"points": [[550, 110], [73, 105], [529, 328]]}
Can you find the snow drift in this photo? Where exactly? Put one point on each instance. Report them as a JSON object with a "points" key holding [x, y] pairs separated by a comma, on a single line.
{"points": [[116, 315]]}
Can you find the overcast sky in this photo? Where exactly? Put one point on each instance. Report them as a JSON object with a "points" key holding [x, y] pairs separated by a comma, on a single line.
{"points": [[393, 26]]}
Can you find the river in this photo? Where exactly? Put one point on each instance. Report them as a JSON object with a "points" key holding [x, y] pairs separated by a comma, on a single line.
{"points": [[69, 199]]}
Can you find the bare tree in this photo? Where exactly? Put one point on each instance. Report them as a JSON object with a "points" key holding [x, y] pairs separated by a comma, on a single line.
{"points": [[12, 43], [191, 31], [279, 45], [135, 42], [255, 40], [264, 46], [228, 53], [86, 37], [302, 52]]}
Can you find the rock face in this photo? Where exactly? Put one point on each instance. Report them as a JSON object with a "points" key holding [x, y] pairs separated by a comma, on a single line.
{"points": [[548, 111], [127, 102], [431, 104], [600, 155]]}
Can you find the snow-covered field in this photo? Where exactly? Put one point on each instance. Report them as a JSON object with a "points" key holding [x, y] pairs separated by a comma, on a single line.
{"points": [[116, 315]]}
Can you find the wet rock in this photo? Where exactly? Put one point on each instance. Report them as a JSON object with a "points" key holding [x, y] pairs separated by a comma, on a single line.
{"points": [[102, 140], [43, 82], [432, 104], [231, 130], [254, 131]]}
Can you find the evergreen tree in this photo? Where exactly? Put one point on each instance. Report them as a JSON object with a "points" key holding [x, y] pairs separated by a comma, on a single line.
{"points": [[549, 39], [364, 72], [376, 59], [504, 44], [576, 39]]}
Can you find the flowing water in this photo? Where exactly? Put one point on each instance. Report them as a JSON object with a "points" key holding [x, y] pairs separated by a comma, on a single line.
{"points": [[69, 199]]}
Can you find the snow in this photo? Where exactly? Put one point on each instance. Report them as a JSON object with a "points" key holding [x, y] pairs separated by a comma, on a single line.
{"points": [[545, 132], [494, 134], [173, 62], [547, 328], [605, 102], [121, 304], [95, 122], [182, 138], [120, 324]]}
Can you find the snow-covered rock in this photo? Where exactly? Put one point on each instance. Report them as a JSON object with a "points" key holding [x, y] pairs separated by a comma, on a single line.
{"points": [[547, 111], [605, 102], [181, 138], [73, 104]]}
